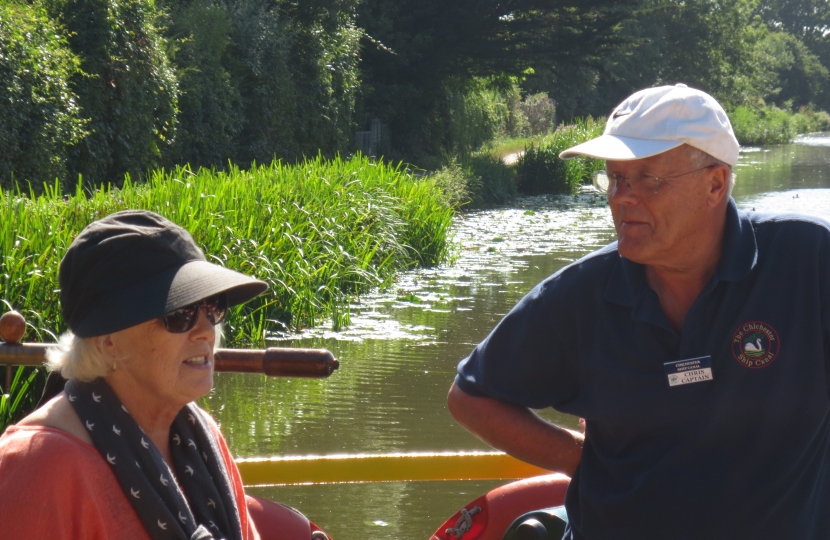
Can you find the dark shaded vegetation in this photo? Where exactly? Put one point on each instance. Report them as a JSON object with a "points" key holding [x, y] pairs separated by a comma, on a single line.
{"points": [[124, 87]]}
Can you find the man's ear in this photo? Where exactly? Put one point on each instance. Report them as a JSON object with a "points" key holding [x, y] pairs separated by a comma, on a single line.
{"points": [[718, 177]]}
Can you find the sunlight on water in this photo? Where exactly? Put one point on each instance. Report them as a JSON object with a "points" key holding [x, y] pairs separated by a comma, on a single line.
{"points": [[487, 243], [814, 202], [814, 139]]}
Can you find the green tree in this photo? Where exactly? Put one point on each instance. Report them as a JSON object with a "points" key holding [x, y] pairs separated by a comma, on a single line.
{"points": [[790, 74], [128, 91], [707, 45], [263, 79], [808, 21], [211, 116], [39, 115], [414, 48]]}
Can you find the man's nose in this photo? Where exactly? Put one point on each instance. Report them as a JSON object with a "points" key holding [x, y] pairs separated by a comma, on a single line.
{"points": [[622, 193]]}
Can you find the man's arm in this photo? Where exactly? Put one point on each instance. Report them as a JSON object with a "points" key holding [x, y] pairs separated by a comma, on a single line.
{"points": [[517, 431]]}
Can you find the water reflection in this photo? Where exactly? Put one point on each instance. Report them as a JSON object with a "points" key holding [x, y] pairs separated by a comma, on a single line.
{"points": [[399, 356]]}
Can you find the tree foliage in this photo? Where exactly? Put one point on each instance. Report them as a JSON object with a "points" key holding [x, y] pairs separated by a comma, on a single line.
{"points": [[39, 114], [213, 82], [210, 117], [261, 79], [789, 74], [127, 93], [414, 48], [806, 20]]}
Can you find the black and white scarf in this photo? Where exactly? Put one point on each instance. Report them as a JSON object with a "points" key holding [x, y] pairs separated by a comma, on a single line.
{"points": [[200, 506]]}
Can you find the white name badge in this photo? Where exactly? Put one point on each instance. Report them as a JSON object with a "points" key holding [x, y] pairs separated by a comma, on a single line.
{"points": [[689, 371]]}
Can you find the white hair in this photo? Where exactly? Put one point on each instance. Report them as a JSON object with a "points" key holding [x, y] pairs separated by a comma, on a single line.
{"points": [[78, 358], [700, 159]]}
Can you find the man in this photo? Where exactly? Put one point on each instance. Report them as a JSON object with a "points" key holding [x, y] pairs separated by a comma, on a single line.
{"points": [[696, 348]]}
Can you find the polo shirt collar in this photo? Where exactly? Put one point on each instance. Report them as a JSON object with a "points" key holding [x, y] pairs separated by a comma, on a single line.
{"points": [[740, 255], [740, 249]]}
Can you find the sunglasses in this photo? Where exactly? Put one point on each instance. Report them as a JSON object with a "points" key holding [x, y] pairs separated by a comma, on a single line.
{"points": [[184, 319]]}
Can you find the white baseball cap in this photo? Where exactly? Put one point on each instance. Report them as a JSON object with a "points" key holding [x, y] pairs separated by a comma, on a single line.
{"points": [[655, 120]]}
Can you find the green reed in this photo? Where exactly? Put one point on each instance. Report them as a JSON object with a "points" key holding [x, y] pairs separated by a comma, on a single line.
{"points": [[319, 233]]}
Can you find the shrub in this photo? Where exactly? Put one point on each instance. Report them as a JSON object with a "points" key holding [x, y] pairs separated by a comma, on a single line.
{"points": [[476, 181], [540, 112], [497, 181], [768, 125], [540, 170], [39, 115], [771, 125], [808, 120], [476, 115], [457, 182], [128, 93]]}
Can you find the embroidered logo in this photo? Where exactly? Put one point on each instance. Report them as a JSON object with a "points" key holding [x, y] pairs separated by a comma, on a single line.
{"points": [[755, 344]]}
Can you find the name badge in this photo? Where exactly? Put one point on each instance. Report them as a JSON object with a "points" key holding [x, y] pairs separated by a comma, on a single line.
{"points": [[689, 371]]}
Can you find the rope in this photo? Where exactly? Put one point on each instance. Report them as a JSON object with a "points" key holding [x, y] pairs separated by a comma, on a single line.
{"points": [[464, 523]]}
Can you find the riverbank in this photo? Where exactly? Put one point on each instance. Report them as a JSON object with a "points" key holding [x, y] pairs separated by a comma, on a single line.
{"points": [[507, 167], [771, 125]]}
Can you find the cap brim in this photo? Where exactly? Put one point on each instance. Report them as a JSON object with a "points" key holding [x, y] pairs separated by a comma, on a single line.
{"points": [[164, 292], [616, 148], [200, 279]]}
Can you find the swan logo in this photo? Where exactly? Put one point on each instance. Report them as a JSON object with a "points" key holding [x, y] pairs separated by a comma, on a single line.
{"points": [[755, 344]]}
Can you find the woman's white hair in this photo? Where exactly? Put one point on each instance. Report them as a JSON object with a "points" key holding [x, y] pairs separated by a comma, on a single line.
{"points": [[78, 358]]}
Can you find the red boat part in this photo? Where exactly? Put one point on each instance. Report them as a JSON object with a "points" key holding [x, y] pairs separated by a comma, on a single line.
{"points": [[489, 516], [276, 521]]}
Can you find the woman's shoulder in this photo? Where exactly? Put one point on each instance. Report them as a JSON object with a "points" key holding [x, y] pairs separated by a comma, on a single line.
{"points": [[57, 414], [40, 450]]}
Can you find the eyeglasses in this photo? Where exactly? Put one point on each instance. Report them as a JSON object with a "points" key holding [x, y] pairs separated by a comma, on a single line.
{"points": [[184, 319], [608, 182]]}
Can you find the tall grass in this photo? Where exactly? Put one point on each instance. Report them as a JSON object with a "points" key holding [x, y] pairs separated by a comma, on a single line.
{"points": [[319, 233], [771, 125], [540, 170]]}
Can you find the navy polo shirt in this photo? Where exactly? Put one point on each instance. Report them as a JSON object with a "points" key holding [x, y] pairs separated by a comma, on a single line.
{"points": [[740, 451]]}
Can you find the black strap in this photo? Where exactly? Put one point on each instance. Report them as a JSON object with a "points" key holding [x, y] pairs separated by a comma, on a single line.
{"points": [[196, 503]]}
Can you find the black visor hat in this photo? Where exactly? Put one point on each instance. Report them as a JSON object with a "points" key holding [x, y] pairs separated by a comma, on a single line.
{"points": [[134, 266]]}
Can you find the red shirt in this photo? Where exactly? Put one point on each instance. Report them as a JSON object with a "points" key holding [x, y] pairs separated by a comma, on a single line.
{"points": [[54, 486]]}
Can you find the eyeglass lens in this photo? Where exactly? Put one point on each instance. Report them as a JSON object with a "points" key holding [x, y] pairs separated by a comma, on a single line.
{"points": [[608, 182], [601, 181], [184, 319]]}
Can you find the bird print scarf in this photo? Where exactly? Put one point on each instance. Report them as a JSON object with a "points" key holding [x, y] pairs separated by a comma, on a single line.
{"points": [[195, 503]]}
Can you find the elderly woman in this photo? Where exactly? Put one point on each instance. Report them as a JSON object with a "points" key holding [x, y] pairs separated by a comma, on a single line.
{"points": [[124, 452]]}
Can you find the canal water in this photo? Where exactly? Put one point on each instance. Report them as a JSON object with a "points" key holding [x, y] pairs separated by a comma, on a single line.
{"points": [[398, 356]]}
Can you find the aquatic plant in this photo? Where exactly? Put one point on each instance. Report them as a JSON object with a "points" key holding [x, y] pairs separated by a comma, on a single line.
{"points": [[319, 233]]}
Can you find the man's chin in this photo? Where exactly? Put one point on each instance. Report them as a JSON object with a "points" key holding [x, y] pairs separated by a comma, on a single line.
{"points": [[632, 250]]}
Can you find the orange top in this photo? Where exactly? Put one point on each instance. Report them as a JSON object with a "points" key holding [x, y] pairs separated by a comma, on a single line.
{"points": [[54, 486]]}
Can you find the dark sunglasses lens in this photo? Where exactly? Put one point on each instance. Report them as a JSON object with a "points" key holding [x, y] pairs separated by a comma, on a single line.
{"points": [[182, 319], [216, 307]]}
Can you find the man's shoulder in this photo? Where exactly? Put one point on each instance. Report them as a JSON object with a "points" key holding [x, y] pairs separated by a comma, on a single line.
{"points": [[788, 229], [589, 270], [805, 223]]}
